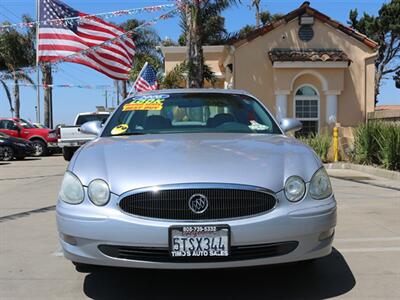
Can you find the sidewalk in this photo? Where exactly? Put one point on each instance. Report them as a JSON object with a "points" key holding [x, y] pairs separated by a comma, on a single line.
{"points": [[365, 178]]}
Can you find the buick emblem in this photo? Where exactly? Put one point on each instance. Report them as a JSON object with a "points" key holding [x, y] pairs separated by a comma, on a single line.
{"points": [[198, 203]]}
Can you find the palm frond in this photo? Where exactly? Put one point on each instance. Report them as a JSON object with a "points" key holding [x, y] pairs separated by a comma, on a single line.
{"points": [[25, 78], [7, 90]]}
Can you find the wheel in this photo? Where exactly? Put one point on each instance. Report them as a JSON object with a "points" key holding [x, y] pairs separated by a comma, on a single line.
{"points": [[40, 148], [309, 263], [83, 268], [68, 152], [8, 153]]}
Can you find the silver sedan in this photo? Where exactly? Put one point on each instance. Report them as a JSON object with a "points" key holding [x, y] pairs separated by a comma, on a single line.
{"points": [[185, 179]]}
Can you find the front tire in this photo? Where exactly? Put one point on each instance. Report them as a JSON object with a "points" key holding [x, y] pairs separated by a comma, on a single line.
{"points": [[8, 153], [68, 152], [40, 148], [83, 268]]}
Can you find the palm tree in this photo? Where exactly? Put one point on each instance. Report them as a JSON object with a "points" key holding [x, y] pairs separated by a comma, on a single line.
{"points": [[256, 4], [16, 52], [16, 77], [8, 94], [146, 41], [174, 78], [194, 17]]}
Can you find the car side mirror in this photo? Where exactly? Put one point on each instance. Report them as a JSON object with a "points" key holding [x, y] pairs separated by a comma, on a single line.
{"points": [[93, 127], [290, 125]]}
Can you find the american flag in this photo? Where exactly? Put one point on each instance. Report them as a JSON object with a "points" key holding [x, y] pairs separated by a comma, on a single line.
{"points": [[147, 80], [64, 38]]}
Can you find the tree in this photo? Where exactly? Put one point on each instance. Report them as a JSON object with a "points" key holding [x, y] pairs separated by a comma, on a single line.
{"points": [[147, 44], [214, 31], [178, 75], [47, 76], [16, 78], [256, 4], [194, 16], [16, 53], [47, 81], [266, 17], [385, 30], [8, 94]]}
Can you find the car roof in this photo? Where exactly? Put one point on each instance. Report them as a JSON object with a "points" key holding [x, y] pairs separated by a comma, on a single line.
{"points": [[195, 91], [94, 113]]}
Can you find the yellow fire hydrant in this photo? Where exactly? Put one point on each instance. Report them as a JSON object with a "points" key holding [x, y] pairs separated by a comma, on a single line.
{"points": [[335, 144]]}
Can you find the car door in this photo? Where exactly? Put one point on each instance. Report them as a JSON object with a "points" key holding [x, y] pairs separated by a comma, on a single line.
{"points": [[9, 127]]}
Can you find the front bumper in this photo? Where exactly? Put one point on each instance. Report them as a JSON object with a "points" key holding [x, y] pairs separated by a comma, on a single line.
{"points": [[83, 228], [52, 145]]}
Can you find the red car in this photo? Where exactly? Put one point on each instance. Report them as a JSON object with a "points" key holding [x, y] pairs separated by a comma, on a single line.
{"points": [[44, 140]]}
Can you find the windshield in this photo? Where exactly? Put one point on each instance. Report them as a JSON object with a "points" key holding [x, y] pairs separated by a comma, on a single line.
{"points": [[190, 113], [88, 118], [26, 124]]}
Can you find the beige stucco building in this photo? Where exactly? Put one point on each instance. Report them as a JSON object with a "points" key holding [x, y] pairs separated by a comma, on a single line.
{"points": [[304, 65]]}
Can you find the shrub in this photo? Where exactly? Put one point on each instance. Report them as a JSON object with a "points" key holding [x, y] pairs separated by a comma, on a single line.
{"points": [[378, 143], [320, 143], [388, 140], [365, 143]]}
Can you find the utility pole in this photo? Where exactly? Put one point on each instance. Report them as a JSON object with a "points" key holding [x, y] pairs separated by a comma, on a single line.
{"points": [[116, 84], [106, 97], [37, 62]]}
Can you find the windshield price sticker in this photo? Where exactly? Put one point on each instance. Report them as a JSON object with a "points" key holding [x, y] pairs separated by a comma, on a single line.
{"points": [[149, 102], [120, 129], [199, 241], [254, 125]]}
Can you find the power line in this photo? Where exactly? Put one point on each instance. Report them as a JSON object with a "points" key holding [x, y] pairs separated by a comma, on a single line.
{"points": [[10, 11]]}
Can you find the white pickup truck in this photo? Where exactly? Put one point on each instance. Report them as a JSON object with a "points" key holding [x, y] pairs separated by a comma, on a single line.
{"points": [[71, 138]]}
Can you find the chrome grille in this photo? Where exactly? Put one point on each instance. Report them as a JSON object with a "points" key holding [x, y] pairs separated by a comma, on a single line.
{"points": [[223, 203]]}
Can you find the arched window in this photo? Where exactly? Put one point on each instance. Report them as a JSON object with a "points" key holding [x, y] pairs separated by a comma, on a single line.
{"points": [[306, 109]]}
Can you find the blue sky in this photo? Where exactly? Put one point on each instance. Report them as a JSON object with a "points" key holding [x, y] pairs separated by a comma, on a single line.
{"points": [[69, 101]]}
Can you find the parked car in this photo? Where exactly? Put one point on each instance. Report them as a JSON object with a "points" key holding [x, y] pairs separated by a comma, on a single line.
{"points": [[71, 138], [17, 148], [181, 179], [44, 139]]}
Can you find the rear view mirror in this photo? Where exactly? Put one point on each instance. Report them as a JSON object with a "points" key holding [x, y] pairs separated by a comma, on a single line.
{"points": [[290, 125], [93, 127]]}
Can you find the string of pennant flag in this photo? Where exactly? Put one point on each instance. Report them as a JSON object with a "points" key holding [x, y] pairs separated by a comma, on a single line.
{"points": [[104, 15], [80, 86]]}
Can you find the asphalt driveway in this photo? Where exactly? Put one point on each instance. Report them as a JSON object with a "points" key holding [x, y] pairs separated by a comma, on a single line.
{"points": [[364, 264]]}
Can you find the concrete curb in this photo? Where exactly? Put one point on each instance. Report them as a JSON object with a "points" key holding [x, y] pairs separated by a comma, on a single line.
{"points": [[393, 175]]}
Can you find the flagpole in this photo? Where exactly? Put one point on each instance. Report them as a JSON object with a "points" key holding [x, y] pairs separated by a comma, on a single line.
{"points": [[137, 78], [37, 62]]}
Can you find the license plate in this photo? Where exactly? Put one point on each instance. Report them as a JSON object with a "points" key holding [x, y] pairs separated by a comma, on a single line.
{"points": [[199, 241]]}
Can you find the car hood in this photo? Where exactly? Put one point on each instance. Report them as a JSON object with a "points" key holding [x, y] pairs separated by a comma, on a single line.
{"points": [[130, 162], [12, 139]]}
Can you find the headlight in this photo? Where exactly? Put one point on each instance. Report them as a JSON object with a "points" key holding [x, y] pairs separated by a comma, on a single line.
{"points": [[320, 185], [52, 135], [71, 189], [99, 192], [1, 141], [295, 188]]}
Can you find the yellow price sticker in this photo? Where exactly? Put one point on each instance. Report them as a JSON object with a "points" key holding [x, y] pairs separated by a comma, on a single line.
{"points": [[120, 129]]}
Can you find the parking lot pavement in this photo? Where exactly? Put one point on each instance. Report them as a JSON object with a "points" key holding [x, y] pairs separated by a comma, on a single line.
{"points": [[364, 264]]}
